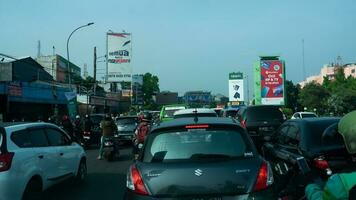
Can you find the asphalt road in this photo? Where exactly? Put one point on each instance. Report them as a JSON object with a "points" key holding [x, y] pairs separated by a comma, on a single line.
{"points": [[105, 180]]}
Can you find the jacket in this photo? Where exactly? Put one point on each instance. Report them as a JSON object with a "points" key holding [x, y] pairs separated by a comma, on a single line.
{"points": [[108, 127], [337, 188]]}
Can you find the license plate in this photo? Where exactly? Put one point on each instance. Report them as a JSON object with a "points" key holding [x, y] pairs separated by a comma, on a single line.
{"points": [[86, 137], [266, 129], [109, 148]]}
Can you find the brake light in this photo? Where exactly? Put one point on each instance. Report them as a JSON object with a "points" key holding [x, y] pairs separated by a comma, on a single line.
{"points": [[320, 163], [264, 178], [197, 126], [243, 123], [5, 161], [135, 182], [86, 133]]}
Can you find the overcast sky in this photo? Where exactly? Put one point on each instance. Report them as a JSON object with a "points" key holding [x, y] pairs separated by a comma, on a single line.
{"points": [[188, 44]]}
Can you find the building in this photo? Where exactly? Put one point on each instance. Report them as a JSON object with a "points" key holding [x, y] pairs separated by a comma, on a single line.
{"points": [[56, 65], [28, 92], [329, 71], [198, 98], [166, 98]]}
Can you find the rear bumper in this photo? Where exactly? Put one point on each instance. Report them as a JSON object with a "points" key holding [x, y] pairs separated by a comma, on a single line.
{"points": [[263, 195]]}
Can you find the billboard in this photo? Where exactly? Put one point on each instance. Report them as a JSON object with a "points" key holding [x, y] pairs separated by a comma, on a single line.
{"points": [[137, 90], [118, 57], [236, 87], [270, 88]]}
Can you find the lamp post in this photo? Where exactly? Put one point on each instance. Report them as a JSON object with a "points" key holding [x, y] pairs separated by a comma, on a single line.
{"points": [[68, 63]]}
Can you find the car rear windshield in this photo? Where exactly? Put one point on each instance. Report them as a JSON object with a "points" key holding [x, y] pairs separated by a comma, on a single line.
{"points": [[314, 134], [96, 119], [169, 113], [126, 121], [308, 115], [264, 114], [197, 144], [193, 115]]}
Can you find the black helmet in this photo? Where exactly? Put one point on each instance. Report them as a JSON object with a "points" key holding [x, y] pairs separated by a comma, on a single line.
{"points": [[146, 117]]}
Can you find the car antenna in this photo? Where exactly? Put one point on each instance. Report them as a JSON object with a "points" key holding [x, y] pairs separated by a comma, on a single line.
{"points": [[195, 115]]}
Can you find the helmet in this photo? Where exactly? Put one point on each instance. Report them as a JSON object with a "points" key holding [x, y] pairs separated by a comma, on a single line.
{"points": [[347, 128], [107, 117], [77, 117], [146, 117], [86, 116]]}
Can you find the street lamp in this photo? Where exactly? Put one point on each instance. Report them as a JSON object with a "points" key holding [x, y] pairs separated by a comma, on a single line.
{"points": [[68, 63]]}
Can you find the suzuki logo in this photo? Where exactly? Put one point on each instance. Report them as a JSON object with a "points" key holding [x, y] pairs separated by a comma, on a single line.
{"points": [[198, 172]]}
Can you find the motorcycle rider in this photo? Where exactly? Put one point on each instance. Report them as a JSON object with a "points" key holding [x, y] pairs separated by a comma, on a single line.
{"points": [[77, 124], [67, 126], [109, 128], [343, 185], [141, 133], [87, 124]]}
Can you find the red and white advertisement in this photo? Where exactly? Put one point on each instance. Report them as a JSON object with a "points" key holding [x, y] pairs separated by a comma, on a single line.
{"points": [[272, 82]]}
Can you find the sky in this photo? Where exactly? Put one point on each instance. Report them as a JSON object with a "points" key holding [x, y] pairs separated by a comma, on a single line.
{"points": [[188, 44]]}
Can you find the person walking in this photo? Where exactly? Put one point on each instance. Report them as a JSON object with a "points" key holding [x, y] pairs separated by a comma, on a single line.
{"points": [[339, 186], [108, 127]]}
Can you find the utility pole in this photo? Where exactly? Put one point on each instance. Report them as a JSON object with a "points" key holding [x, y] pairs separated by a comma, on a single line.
{"points": [[94, 70]]}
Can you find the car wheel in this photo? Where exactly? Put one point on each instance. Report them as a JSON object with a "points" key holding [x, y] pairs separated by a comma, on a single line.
{"points": [[33, 190], [82, 171]]}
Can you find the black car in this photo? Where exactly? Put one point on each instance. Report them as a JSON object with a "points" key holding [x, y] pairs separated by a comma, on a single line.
{"points": [[205, 158], [304, 150], [260, 121], [126, 127]]}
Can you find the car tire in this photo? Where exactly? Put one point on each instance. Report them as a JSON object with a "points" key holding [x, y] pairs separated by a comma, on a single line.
{"points": [[82, 171], [33, 190]]}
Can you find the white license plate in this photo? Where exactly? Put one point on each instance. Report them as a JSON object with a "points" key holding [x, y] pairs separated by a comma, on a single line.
{"points": [[86, 137]]}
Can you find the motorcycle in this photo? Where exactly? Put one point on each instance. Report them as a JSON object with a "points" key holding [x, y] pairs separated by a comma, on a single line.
{"points": [[110, 149]]}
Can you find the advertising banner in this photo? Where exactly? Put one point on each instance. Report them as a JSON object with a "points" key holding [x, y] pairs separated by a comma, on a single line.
{"points": [[236, 87], [272, 82], [137, 90], [119, 57], [236, 92]]}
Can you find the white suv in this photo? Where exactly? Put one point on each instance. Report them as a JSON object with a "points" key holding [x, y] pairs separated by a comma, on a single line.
{"points": [[34, 156]]}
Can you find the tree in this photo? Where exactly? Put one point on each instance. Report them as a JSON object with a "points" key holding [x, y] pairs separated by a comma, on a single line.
{"points": [[314, 95], [150, 87], [292, 92]]}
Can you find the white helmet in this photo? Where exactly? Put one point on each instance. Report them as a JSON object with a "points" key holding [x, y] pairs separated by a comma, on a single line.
{"points": [[77, 117]]}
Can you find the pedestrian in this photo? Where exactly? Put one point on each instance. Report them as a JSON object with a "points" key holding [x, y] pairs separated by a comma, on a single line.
{"points": [[108, 127], [141, 133], [67, 126], [343, 185]]}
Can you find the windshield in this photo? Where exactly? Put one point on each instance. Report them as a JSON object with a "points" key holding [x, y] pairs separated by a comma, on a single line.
{"points": [[231, 113], [308, 115], [196, 144], [169, 113], [264, 113], [126, 121]]}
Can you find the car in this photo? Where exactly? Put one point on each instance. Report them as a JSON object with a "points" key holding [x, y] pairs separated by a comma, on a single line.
{"points": [[195, 112], [301, 115], [126, 127], [304, 150], [35, 156], [208, 158], [260, 121], [230, 112], [168, 111]]}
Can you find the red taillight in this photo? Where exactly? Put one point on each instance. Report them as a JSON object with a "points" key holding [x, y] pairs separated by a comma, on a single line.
{"points": [[243, 123], [262, 178], [320, 163], [5, 161], [86, 133], [137, 182], [197, 126]]}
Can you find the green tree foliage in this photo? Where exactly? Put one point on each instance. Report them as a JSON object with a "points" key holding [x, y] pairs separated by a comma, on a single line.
{"points": [[314, 95], [292, 92], [150, 87]]}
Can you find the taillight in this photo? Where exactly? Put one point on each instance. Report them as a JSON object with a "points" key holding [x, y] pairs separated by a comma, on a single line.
{"points": [[135, 182], [264, 178], [243, 123], [5, 161], [321, 163], [86, 133], [197, 126]]}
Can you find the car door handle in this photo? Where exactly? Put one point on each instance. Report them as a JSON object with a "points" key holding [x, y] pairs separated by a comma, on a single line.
{"points": [[40, 156], [61, 154]]}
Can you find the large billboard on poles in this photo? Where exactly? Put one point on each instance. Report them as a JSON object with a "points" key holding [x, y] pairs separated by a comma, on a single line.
{"points": [[270, 78], [119, 67], [236, 87]]}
